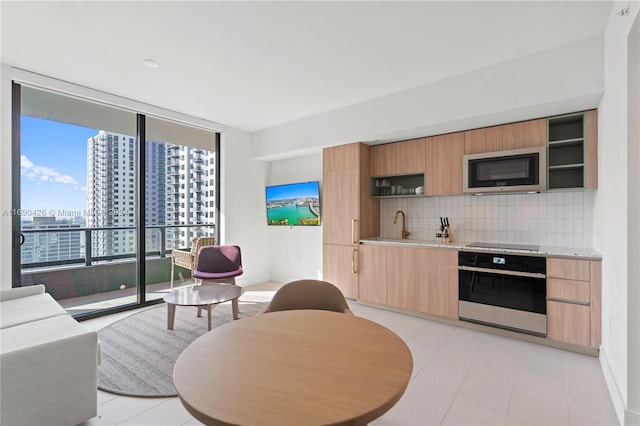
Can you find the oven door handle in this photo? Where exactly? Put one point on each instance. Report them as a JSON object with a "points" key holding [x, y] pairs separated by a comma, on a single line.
{"points": [[502, 272]]}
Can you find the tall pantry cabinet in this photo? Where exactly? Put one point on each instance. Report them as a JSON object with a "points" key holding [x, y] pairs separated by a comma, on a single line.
{"points": [[348, 214]]}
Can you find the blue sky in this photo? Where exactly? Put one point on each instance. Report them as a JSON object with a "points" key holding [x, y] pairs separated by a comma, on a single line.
{"points": [[297, 190], [53, 165]]}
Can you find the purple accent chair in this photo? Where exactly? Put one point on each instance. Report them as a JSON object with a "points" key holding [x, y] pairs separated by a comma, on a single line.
{"points": [[220, 264]]}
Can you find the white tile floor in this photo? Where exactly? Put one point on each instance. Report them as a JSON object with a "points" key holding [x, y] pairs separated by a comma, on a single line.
{"points": [[460, 377]]}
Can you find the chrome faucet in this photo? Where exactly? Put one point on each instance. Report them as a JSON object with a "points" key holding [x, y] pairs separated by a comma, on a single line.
{"points": [[405, 233]]}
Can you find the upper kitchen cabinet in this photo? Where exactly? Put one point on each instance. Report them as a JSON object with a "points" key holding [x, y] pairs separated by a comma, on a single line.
{"points": [[524, 134], [341, 157], [572, 158], [397, 169], [383, 159], [444, 164], [398, 158], [487, 139], [410, 157]]}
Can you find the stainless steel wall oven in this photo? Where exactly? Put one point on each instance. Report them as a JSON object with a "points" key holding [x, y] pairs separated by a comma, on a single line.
{"points": [[503, 290]]}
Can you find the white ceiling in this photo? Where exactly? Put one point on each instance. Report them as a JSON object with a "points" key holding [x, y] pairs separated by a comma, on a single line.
{"points": [[255, 65]]}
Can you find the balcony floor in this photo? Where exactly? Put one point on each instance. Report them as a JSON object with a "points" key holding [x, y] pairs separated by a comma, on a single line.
{"points": [[112, 299]]}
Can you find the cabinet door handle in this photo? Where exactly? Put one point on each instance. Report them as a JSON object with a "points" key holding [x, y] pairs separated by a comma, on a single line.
{"points": [[353, 261], [353, 231]]}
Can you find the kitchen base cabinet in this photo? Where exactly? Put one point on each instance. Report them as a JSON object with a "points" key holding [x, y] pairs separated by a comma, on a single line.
{"points": [[339, 265], [568, 322], [574, 301], [401, 278], [437, 277], [373, 274]]}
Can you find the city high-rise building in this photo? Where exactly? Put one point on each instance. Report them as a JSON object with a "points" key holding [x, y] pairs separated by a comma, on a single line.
{"points": [[190, 193], [111, 160], [51, 246], [179, 190], [111, 192]]}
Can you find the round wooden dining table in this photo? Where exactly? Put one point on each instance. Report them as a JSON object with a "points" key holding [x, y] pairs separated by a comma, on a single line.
{"points": [[300, 367]]}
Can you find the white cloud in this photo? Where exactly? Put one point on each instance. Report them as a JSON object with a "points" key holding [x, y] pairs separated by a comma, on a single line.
{"points": [[43, 173]]}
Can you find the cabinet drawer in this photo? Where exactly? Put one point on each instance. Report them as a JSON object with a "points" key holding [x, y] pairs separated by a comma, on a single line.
{"points": [[569, 290], [577, 270], [569, 323]]}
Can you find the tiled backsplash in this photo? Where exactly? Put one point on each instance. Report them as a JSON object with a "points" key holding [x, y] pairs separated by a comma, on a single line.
{"points": [[563, 219]]}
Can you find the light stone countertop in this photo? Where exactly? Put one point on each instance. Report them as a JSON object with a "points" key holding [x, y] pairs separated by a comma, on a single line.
{"points": [[546, 251]]}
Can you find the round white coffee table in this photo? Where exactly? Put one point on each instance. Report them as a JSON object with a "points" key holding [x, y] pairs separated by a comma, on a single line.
{"points": [[202, 296]]}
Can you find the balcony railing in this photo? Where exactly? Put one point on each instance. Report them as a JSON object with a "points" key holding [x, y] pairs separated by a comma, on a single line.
{"points": [[107, 277], [90, 259]]}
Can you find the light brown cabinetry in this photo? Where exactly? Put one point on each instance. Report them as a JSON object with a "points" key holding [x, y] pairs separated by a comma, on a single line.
{"points": [[410, 157], [340, 267], [524, 134], [348, 213], [437, 276], [340, 206], [416, 279], [383, 159], [398, 158], [568, 322], [444, 164], [373, 273], [592, 149], [401, 278], [574, 297], [487, 139]]}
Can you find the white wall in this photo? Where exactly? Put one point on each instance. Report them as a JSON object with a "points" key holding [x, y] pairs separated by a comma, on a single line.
{"points": [[611, 210], [633, 244], [565, 79], [5, 176], [242, 212], [296, 251]]}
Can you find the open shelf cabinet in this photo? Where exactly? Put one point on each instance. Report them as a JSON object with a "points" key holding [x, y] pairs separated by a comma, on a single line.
{"points": [[396, 186], [567, 151]]}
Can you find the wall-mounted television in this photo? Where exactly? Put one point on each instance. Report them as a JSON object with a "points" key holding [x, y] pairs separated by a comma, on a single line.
{"points": [[294, 204]]}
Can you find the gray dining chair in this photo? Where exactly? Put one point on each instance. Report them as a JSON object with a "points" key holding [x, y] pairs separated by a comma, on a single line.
{"points": [[308, 294]]}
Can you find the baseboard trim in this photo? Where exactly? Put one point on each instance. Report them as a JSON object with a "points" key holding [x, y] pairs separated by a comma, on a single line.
{"points": [[612, 385], [254, 280], [631, 417], [282, 278]]}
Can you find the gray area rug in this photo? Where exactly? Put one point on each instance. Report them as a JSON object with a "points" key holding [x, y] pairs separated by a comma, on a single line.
{"points": [[139, 353]]}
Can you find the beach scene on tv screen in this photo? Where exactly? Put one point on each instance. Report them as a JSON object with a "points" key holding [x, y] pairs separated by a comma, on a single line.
{"points": [[294, 204]]}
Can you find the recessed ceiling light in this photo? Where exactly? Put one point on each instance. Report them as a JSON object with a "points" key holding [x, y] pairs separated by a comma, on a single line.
{"points": [[150, 63]]}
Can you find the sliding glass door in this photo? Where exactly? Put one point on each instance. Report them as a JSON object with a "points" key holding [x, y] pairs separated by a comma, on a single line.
{"points": [[180, 196], [103, 195]]}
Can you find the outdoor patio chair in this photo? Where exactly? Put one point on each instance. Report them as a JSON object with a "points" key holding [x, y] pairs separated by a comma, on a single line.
{"points": [[188, 258]]}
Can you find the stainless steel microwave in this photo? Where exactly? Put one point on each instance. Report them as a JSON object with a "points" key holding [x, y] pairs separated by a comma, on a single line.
{"points": [[517, 170]]}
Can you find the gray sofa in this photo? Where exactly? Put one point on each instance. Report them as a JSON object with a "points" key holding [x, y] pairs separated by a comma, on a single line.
{"points": [[48, 362]]}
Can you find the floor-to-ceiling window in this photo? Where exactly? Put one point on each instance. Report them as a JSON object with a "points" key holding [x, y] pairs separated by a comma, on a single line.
{"points": [[181, 166], [95, 199]]}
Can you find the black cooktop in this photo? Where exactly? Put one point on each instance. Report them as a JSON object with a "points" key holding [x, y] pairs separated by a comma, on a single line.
{"points": [[505, 246]]}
